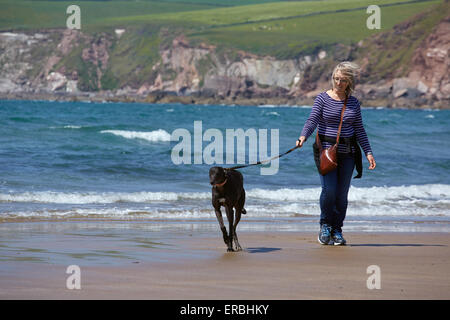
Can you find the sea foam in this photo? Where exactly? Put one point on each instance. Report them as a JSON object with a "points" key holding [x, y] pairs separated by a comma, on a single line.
{"points": [[414, 199], [152, 136], [98, 197]]}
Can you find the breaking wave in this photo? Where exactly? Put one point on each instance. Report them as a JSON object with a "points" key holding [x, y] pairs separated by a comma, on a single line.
{"points": [[152, 136]]}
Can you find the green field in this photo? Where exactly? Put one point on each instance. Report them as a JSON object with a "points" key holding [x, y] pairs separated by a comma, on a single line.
{"points": [[263, 12], [280, 29], [283, 29], [18, 14], [34, 14], [205, 14], [287, 37]]}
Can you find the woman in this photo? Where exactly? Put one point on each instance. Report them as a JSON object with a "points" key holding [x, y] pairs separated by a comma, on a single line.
{"points": [[326, 114]]}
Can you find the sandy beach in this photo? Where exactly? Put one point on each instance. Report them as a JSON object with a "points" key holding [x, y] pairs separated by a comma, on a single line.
{"points": [[120, 260]]}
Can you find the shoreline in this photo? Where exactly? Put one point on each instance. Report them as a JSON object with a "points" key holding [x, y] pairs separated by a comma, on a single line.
{"points": [[135, 261], [201, 100], [299, 223]]}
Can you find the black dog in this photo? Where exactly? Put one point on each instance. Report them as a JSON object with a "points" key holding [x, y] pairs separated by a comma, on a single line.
{"points": [[228, 191]]}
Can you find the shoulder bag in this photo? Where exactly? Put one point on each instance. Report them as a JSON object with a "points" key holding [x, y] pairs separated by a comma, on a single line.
{"points": [[328, 157]]}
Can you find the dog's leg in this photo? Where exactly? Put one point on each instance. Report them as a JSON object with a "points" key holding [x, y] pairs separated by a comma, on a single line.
{"points": [[242, 202], [230, 217], [221, 224], [235, 238], [239, 210]]}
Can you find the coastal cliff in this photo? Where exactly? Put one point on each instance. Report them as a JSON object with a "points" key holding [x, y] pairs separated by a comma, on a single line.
{"points": [[403, 67]]}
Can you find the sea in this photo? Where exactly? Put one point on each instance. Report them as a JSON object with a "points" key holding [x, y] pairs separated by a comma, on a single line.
{"points": [[86, 161]]}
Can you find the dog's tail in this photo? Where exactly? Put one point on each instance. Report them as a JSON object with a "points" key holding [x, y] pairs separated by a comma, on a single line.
{"points": [[244, 211]]}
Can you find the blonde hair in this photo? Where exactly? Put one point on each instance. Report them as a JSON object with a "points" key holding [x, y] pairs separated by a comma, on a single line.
{"points": [[350, 71]]}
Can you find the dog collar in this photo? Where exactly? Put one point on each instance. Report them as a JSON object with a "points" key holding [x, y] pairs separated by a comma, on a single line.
{"points": [[220, 184]]}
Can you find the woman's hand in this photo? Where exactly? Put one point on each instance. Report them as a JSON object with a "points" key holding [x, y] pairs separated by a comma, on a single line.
{"points": [[372, 162], [300, 141]]}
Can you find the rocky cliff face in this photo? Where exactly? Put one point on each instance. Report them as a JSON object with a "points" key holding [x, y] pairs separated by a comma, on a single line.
{"points": [[201, 71], [16, 60], [36, 63], [74, 63], [417, 73], [431, 61], [68, 64]]}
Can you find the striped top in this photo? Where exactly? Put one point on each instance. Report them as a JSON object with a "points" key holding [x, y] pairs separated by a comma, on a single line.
{"points": [[326, 113]]}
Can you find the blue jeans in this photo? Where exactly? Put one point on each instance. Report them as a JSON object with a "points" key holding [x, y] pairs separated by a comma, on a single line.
{"points": [[335, 186]]}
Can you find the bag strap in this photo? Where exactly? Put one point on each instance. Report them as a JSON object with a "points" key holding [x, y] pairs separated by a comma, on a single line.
{"points": [[342, 119], [318, 142]]}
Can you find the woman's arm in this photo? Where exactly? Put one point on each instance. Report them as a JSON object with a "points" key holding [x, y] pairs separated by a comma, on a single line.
{"points": [[361, 136], [312, 121]]}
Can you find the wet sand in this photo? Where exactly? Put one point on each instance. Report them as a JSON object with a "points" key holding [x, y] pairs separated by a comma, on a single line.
{"points": [[136, 261]]}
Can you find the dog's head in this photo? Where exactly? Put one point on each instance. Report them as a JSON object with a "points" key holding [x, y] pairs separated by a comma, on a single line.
{"points": [[217, 176]]}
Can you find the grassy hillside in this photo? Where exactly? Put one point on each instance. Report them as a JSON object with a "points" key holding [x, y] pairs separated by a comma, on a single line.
{"points": [[282, 29], [291, 37], [34, 14], [249, 14], [389, 54], [204, 14], [21, 14]]}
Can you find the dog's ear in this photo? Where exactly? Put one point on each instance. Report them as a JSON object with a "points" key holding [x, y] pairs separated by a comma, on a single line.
{"points": [[212, 170]]}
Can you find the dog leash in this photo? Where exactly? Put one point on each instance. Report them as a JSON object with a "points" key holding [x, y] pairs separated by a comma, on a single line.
{"points": [[262, 162]]}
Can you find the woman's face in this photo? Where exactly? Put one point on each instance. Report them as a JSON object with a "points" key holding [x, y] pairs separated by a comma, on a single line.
{"points": [[340, 82]]}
